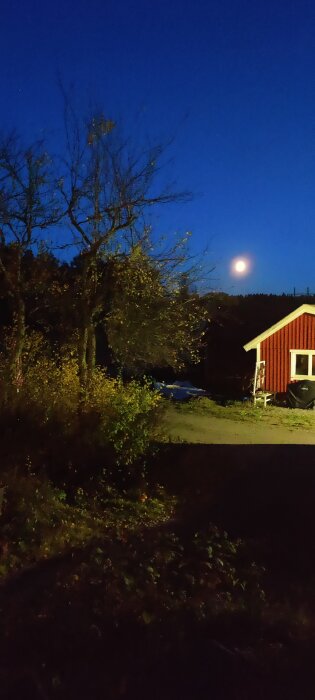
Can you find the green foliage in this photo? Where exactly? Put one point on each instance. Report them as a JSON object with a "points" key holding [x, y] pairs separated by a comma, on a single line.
{"points": [[39, 521], [51, 389], [152, 323], [122, 417], [127, 414], [148, 570], [153, 574], [199, 573], [49, 385]]}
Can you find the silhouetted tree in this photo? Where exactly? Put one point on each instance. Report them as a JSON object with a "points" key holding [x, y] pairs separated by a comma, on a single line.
{"points": [[107, 189], [28, 206]]}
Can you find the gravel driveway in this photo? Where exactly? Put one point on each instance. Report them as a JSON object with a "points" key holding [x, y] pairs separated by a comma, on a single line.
{"points": [[224, 431]]}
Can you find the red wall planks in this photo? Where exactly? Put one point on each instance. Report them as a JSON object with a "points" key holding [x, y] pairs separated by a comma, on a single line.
{"points": [[275, 350]]}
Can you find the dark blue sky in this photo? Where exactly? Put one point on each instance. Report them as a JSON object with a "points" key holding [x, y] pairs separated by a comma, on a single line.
{"points": [[233, 80]]}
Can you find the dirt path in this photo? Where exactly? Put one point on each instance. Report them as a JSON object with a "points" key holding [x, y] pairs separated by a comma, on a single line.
{"points": [[209, 430]]}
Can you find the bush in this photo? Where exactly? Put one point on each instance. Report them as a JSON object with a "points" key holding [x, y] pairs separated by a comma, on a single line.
{"points": [[50, 390], [128, 415], [49, 387], [47, 421]]}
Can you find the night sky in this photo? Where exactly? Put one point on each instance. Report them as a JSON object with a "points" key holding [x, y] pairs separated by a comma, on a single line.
{"points": [[233, 81]]}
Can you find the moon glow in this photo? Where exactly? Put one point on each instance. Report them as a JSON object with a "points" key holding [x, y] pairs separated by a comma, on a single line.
{"points": [[240, 266]]}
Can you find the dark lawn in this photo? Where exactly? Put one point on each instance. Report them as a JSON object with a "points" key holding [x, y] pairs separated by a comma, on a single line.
{"points": [[53, 647]]}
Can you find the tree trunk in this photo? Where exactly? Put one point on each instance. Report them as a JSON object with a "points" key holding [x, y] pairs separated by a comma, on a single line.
{"points": [[91, 350], [18, 344], [84, 331], [87, 340], [82, 354]]}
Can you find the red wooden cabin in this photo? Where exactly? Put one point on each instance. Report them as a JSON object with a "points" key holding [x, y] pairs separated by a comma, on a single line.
{"points": [[287, 349]]}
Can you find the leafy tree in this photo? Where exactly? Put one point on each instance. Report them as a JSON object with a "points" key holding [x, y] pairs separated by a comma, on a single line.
{"points": [[152, 322]]}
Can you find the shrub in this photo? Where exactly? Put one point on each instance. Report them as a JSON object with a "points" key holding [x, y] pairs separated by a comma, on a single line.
{"points": [[128, 415], [46, 420], [51, 390], [49, 386]]}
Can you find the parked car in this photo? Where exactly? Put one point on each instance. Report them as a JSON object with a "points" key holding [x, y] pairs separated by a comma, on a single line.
{"points": [[179, 390]]}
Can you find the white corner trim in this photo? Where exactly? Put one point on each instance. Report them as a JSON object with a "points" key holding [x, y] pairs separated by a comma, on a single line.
{"points": [[303, 309], [258, 352]]}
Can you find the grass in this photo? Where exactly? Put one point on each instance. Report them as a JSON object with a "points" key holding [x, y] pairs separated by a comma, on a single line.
{"points": [[119, 592], [246, 412], [204, 570], [97, 593], [39, 522]]}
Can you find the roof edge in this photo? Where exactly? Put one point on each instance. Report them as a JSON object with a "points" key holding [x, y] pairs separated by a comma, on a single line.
{"points": [[303, 309]]}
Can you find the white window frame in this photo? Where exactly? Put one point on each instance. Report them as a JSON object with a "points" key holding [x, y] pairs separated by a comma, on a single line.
{"points": [[309, 375]]}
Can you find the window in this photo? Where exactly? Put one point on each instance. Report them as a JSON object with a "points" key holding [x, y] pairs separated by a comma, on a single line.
{"points": [[302, 364]]}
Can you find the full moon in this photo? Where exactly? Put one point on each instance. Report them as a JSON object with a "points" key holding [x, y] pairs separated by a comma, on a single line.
{"points": [[240, 265]]}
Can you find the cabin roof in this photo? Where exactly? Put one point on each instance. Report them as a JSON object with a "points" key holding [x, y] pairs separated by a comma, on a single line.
{"points": [[303, 309]]}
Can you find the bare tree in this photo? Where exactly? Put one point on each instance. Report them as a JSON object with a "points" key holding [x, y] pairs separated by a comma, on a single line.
{"points": [[108, 190], [28, 206]]}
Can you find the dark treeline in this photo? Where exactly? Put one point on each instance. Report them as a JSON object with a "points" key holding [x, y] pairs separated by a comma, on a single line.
{"points": [[234, 321], [139, 322]]}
